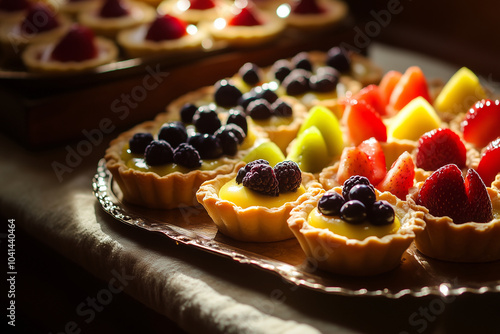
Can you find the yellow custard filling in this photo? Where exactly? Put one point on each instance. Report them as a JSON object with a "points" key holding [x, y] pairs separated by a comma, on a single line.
{"points": [[244, 197], [351, 231], [273, 121]]}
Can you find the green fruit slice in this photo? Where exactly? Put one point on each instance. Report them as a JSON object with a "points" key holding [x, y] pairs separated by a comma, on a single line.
{"points": [[309, 151], [268, 151]]}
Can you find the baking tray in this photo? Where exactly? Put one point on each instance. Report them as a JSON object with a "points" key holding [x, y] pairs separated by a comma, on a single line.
{"points": [[416, 276]]}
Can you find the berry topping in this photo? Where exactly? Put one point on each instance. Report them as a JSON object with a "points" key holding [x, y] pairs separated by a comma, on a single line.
{"points": [[289, 176], [187, 156], [245, 17], [205, 119], [166, 27], [259, 109], [399, 178], [266, 93], [158, 152], [281, 68], [201, 4], [187, 112], [353, 212], [363, 193], [207, 145], [302, 7], [330, 203], [114, 8], [13, 5], [261, 178], [353, 181], [173, 133], [282, 109], [339, 59], [381, 213], [228, 140], [226, 94], [250, 73], [139, 142], [489, 165], [297, 82], [234, 129], [323, 83], [481, 124], [353, 161], [301, 60], [363, 122], [39, 19], [440, 147], [411, 85], [77, 45], [245, 169], [376, 160], [445, 193], [237, 117]]}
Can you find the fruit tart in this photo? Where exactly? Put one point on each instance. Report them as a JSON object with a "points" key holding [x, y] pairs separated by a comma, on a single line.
{"points": [[161, 165], [112, 16], [195, 11], [78, 50], [74, 7], [253, 203], [354, 229], [462, 216], [315, 14], [12, 11], [166, 35]]}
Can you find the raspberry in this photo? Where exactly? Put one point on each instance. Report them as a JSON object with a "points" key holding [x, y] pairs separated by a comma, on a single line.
{"points": [[139, 142], [261, 178], [158, 152], [187, 156], [289, 176], [245, 169], [351, 182]]}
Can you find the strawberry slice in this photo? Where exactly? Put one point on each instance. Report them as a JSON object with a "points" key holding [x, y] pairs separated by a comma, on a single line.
{"points": [[363, 122], [32, 24], [376, 159], [201, 4], [371, 95], [411, 85], [114, 8], [479, 204], [353, 161], [481, 124], [387, 84], [399, 178], [245, 17], [440, 147], [77, 45], [489, 165], [166, 27]]}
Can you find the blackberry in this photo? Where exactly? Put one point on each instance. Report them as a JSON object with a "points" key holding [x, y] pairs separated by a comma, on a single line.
{"points": [[226, 94], [139, 141], [339, 59], [261, 178], [353, 212], [228, 141], [246, 98], [301, 60], [238, 117], [297, 82], [250, 73], [158, 152], [205, 119], [187, 112], [323, 83], [381, 213], [281, 68], [187, 156], [282, 109], [173, 133], [330, 203], [289, 176], [245, 169], [259, 109], [266, 93], [234, 129], [351, 182], [363, 193], [207, 145]]}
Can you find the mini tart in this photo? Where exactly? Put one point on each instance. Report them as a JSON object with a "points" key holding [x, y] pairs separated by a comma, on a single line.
{"points": [[254, 223], [37, 58], [151, 190], [241, 36], [338, 254], [333, 13], [134, 42], [109, 27], [469, 242], [72, 8], [179, 9]]}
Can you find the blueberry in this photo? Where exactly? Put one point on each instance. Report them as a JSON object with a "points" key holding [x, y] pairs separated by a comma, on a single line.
{"points": [[301, 60], [267, 93], [234, 129], [187, 156], [229, 142], [351, 182], [297, 82], [205, 119], [226, 94], [238, 117], [259, 109], [173, 133], [282, 109], [207, 145], [139, 141], [330, 204], [246, 98], [381, 213], [158, 152], [339, 59], [250, 73], [353, 212], [363, 193], [323, 83], [281, 69], [187, 112]]}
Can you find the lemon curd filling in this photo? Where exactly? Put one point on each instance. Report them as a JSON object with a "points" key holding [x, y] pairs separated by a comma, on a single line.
{"points": [[359, 231], [273, 121], [244, 197]]}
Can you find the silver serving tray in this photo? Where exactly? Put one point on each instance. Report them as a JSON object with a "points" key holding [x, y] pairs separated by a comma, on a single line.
{"points": [[416, 276]]}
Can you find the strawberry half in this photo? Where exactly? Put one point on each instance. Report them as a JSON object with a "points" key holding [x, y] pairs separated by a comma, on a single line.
{"points": [[371, 95], [77, 45], [479, 203], [481, 124], [166, 27], [489, 165], [363, 122], [387, 84], [353, 161], [376, 159], [412, 84], [201, 4], [440, 147], [114, 8], [245, 18], [399, 178]]}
